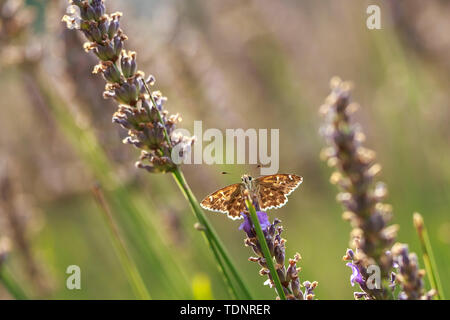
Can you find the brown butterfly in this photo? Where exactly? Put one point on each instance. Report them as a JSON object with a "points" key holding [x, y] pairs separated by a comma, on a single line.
{"points": [[270, 191]]}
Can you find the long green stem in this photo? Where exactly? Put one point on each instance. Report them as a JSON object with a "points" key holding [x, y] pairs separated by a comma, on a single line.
{"points": [[265, 249], [125, 258], [11, 285], [428, 256], [232, 289], [210, 234]]}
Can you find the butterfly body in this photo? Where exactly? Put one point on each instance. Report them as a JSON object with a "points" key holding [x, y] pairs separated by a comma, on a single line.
{"points": [[270, 192]]}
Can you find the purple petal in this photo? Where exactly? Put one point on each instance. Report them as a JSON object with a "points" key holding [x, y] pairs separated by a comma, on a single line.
{"points": [[247, 224], [263, 220], [356, 275]]}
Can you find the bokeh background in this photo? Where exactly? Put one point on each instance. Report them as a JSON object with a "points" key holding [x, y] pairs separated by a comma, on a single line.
{"points": [[231, 64]]}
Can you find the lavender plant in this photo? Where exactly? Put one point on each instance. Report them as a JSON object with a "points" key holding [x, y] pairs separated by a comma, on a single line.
{"points": [[120, 247], [363, 199], [288, 277], [265, 240], [141, 111], [18, 48]]}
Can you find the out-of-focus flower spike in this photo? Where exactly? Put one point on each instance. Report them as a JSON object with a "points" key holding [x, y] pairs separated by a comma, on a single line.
{"points": [[362, 199]]}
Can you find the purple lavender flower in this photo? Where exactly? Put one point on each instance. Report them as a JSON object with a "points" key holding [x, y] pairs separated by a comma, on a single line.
{"points": [[289, 276], [362, 197], [247, 225], [356, 275], [409, 275], [150, 127]]}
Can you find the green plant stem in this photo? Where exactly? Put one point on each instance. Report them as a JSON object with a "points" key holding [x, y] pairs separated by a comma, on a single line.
{"points": [[226, 276], [265, 249], [11, 285], [128, 264], [428, 256], [139, 229], [211, 236]]}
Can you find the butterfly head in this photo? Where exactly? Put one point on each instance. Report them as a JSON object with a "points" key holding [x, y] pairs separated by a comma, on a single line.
{"points": [[247, 181]]}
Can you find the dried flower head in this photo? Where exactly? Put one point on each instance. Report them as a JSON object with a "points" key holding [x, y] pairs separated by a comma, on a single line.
{"points": [[150, 127]]}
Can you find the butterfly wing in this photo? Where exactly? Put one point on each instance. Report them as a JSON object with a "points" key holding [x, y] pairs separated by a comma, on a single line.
{"points": [[227, 200], [273, 190]]}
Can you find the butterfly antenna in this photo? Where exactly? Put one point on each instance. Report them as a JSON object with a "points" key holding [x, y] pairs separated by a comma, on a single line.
{"points": [[231, 172], [256, 171]]}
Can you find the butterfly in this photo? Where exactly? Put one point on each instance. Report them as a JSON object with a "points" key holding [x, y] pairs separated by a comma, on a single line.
{"points": [[270, 191]]}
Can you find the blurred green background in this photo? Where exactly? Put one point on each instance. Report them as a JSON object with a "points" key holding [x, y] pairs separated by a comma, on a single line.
{"points": [[231, 64]]}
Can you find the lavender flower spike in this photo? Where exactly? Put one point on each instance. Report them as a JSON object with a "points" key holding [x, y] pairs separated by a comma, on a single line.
{"points": [[150, 127], [288, 276], [409, 275], [363, 199]]}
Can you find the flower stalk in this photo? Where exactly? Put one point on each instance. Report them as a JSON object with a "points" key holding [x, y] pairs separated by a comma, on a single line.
{"points": [[409, 276], [11, 285], [141, 111], [126, 260], [13, 288], [213, 240], [265, 250]]}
